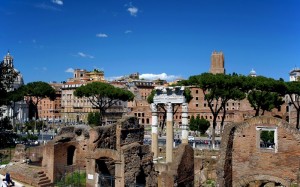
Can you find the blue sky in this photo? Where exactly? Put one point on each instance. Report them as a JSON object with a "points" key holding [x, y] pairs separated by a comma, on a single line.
{"points": [[171, 38]]}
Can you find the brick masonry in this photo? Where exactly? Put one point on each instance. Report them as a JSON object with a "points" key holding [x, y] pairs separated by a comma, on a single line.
{"points": [[242, 162]]}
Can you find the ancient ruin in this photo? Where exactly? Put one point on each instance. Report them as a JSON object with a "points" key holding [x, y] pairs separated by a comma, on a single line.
{"points": [[245, 160], [106, 153], [168, 96], [110, 155]]}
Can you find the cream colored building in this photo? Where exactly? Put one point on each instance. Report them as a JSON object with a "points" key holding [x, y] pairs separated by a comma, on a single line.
{"points": [[75, 110]]}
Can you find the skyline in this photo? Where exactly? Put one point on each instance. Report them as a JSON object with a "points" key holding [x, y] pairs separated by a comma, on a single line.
{"points": [[172, 38]]}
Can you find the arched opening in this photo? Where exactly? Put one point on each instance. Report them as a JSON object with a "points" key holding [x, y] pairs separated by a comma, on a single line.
{"points": [[277, 116], [264, 183], [70, 155], [141, 178], [105, 167]]}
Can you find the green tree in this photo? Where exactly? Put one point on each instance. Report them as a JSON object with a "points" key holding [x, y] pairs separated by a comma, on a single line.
{"points": [[6, 134], [218, 89], [265, 93], [267, 136], [199, 124], [193, 126], [103, 96], [36, 91], [7, 78], [203, 124], [293, 91], [93, 118]]}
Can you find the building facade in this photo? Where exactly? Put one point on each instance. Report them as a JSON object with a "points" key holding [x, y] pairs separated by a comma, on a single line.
{"points": [[75, 110], [48, 110]]}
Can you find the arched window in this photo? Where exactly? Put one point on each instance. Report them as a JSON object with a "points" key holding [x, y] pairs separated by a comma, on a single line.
{"points": [[70, 155]]}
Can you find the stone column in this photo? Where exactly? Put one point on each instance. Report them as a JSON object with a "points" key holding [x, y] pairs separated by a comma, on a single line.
{"points": [[170, 138], [154, 128], [184, 126]]}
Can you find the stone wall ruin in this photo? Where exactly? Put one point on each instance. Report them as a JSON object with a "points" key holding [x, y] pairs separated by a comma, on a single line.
{"points": [[243, 162]]}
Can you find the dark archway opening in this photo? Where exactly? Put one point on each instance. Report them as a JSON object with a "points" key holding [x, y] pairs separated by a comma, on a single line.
{"points": [[70, 155], [264, 183], [141, 178], [277, 116], [105, 167]]}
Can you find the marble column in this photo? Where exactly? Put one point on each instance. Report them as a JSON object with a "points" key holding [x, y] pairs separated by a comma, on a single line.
{"points": [[184, 121], [170, 135], [154, 128]]}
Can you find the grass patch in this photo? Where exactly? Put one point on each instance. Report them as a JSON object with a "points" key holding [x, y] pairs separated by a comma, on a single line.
{"points": [[73, 179]]}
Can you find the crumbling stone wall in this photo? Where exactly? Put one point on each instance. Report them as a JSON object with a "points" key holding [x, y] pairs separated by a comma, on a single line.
{"points": [[242, 162], [138, 163], [103, 137], [205, 162], [120, 143], [20, 153], [55, 153], [181, 171]]}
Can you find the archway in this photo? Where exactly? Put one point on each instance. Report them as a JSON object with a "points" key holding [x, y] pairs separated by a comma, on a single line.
{"points": [[105, 167], [70, 154], [264, 183]]}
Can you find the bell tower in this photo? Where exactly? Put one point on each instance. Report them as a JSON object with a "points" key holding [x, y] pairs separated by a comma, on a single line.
{"points": [[8, 60], [217, 63]]}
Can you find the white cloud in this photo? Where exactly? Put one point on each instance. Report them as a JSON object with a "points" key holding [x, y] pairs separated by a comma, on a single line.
{"points": [[58, 2], [47, 7], [114, 78], [102, 35], [133, 10], [69, 70], [44, 68], [128, 31], [81, 54], [163, 76]]}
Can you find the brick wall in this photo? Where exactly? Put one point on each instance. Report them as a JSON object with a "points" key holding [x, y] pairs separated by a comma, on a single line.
{"points": [[243, 161]]}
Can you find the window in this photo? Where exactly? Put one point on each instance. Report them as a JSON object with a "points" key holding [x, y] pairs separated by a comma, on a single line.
{"points": [[196, 91], [196, 105], [204, 104], [266, 138], [197, 98]]}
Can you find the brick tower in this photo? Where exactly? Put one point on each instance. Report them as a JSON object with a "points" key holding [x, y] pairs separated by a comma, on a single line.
{"points": [[217, 63]]}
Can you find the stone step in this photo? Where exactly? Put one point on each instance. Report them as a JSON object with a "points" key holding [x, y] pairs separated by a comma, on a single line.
{"points": [[42, 175], [44, 182], [46, 185], [41, 172], [43, 178]]}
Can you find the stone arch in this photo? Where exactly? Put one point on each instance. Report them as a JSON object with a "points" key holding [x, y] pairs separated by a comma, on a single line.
{"points": [[224, 165], [112, 166], [246, 180], [71, 155], [108, 153], [278, 116]]}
